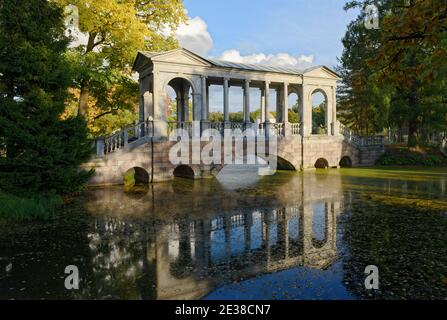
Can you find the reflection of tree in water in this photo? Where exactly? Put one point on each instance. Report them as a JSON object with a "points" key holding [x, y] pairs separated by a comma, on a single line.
{"points": [[35, 257], [407, 245], [118, 259]]}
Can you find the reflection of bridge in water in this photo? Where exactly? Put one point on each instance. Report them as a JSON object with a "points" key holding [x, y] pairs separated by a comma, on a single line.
{"points": [[187, 255], [240, 246]]}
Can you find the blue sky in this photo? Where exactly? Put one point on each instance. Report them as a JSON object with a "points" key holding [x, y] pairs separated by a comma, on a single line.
{"points": [[296, 27]]}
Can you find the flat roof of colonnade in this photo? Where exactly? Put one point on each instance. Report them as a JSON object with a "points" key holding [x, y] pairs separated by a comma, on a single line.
{"points": [[143, 57]]}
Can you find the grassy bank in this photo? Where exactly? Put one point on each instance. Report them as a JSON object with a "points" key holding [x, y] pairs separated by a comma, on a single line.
{"points": [[25, 209], [404, 156]]}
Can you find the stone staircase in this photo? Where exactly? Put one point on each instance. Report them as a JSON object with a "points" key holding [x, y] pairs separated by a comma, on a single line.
{"points": [[128, 137]]}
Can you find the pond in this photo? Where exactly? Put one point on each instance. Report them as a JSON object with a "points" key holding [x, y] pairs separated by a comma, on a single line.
{"points": [[289, 236]]}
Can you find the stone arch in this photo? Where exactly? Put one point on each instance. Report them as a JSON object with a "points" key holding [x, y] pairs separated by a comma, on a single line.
{"points": [[321, 163], [187, 78], [134, 177], [281, 162], [345, 162], [320, 113], [184, 89], [284, 164], [184, 171], [141, 176]]}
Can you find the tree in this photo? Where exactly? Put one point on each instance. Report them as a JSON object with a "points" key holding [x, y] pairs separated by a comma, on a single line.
{"points": [[115, 31], [39, 152], [397, 73], [362, 106]]}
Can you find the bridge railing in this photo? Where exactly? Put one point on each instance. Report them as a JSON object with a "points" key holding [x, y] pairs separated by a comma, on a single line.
{"points": [[188, 126], [361, 141], [295, 129], [123, 137]]}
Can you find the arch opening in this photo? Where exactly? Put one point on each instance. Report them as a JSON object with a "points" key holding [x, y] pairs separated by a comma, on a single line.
{"points": [[345, 162], [294, 113], [236, 97], [285, 165], [179, 101], [184, 171], [136, 178], [281, 163], [321, 163], [216, 107], [319, 112]]}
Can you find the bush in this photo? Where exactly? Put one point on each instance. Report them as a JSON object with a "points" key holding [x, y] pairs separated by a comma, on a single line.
{"points": [[26, 209], [406, 157]]}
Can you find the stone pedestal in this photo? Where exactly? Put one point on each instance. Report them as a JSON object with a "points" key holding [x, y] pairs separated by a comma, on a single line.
{"points": [[160, 129]]}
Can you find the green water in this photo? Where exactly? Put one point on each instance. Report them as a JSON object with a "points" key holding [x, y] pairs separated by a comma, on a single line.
{"points": [[288, 236]]}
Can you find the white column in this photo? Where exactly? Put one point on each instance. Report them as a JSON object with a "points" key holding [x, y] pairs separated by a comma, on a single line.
{"points": [[267, 101], [307, 111], [226, 100], [247, 101], [204, 100], [147, 105], [285, 103], [278, 105], [160, 126], [262, 105], [207, 101], [179, 109], [186, 115]]}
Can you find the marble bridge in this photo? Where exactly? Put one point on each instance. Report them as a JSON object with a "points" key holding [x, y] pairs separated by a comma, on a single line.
{"points": [[145, 146]]}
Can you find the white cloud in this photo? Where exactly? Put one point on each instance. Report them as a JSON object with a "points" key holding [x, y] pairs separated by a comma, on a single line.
{"points": [[194, 36], [280, 59]]}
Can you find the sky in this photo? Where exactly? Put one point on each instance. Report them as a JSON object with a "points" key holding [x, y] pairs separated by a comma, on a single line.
{"points": [[308, 30], [299, 33]]}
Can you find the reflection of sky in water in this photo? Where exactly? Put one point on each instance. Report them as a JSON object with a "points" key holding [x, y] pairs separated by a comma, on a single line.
{"points": [[237, 241], [297, 283], [217, 245]]}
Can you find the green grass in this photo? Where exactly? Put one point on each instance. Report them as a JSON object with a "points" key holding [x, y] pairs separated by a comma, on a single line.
{"points": [[27, 209]]}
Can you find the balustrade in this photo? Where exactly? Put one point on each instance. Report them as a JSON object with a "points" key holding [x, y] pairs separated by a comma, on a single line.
{"points": [[135, 132]]}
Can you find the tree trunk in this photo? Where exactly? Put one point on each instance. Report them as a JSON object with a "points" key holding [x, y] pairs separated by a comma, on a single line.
{"points": [[83, 99]]}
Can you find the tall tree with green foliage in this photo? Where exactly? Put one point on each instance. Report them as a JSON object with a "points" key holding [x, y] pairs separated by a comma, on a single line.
{"points": [[397, 72], [115, 31], [359, 99], [39, 152]]}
